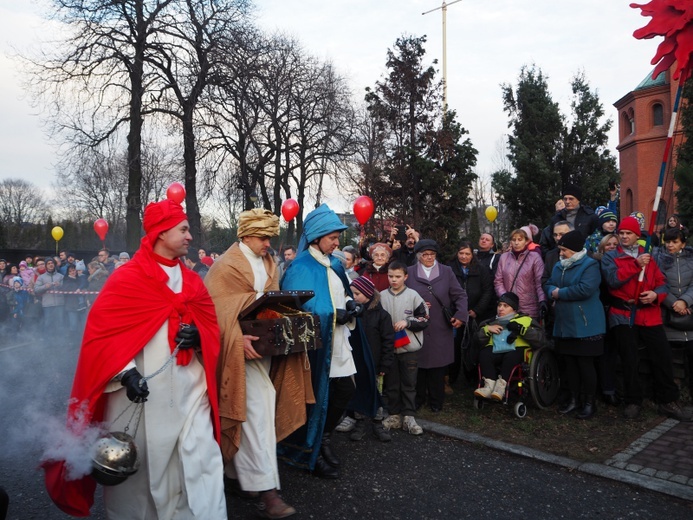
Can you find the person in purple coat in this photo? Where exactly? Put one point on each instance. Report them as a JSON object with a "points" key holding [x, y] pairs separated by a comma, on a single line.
{"points": [[447, 304]]}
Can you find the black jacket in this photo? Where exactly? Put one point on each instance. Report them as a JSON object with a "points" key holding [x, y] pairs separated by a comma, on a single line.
{"points": [[586, 221], [488, 259], [404, 256], [377, 324], [478, 284]]}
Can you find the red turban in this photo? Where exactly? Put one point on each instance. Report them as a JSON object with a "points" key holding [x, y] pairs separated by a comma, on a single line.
{"points": [[160, 217]]}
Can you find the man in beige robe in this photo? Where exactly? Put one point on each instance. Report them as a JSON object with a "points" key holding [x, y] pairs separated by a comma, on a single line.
{"points": [[252, 387]]}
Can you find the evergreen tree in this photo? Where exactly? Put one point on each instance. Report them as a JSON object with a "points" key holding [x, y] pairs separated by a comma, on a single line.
{"points": [[425, 175], [445, 190], [404, 107], [535, 150], [547, 155], [587, 162], [683, 174]]}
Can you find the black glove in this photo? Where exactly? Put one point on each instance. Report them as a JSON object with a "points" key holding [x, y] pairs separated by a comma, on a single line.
{"points": [[342, 316], [355, 309], [188, 336], [514, 326], [543, 310], [137, 392]]}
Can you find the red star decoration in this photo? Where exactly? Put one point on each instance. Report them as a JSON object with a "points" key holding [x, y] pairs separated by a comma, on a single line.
{"points": [[671, 19]]}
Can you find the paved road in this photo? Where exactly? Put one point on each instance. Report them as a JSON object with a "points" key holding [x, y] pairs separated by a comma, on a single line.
{"points": [[427, 477]]}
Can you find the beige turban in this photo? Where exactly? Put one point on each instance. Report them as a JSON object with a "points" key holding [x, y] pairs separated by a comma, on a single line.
{"points": [[258, 223]]}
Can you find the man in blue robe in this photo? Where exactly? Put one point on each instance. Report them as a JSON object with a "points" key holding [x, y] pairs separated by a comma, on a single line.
{"points": [[343, 372]]}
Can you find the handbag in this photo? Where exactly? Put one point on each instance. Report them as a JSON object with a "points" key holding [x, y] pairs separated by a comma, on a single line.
{"points": [[500, 343], [448, 313], [677, 321], [470, 345]]}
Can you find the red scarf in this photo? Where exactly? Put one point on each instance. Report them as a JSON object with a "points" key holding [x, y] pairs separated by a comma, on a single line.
{"points": [[133, 305]]}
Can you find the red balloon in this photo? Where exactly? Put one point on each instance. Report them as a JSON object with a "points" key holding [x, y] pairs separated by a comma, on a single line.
{"points": [[176, 192], [101, 228], [363, 209], [290, 209]]}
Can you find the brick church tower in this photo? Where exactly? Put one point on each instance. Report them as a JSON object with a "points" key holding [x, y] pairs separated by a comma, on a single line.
{"points": [[644, 116]]}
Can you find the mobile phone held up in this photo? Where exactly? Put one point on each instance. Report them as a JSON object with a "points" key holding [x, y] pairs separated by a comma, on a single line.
{"points": [[401, 235]]}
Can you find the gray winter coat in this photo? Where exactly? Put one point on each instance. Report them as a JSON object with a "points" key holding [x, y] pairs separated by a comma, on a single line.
{"points": [[41, 286], [678, 270]]}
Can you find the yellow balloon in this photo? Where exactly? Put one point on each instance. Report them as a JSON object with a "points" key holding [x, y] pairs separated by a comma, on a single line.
{"points": [[57, 233], [491, 213]]}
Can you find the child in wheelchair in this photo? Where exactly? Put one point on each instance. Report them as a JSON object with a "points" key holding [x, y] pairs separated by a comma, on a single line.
{"points": [[503, 341]]}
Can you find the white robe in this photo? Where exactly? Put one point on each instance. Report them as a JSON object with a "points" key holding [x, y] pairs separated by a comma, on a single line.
{"points": [[181, 468], [342, 361], [255, 464]]}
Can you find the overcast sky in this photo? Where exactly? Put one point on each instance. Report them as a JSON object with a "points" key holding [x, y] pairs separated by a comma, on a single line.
{"points": [[488, 41]]}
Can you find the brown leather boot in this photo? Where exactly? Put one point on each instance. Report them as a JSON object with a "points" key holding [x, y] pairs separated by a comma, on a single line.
{"points": [[271, 505], [448, 388]]}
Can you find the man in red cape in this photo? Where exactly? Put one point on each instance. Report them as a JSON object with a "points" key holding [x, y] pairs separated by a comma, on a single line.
{"points": [[131, 332]]}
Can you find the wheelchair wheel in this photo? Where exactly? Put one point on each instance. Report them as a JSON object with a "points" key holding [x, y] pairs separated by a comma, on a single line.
{"points": [[544, 380], [478, 404], [520, 410]]}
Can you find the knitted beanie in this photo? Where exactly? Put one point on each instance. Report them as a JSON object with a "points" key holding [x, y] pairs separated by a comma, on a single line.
{"points": [[573, 190], [606, 216], [630, 224], [573, 240], [510, 298], [364, 286]]}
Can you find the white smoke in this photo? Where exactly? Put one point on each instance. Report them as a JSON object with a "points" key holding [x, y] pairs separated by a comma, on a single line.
{"points": [[72, 442], [34, 389]]}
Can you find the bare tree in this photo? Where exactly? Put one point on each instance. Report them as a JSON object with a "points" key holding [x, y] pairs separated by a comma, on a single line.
{"points": [[227, 200], [21, 203], [364, 174], [96, 187], [322, 133], [276, 83], [235, 129], [184, 57], [93, 184], [94, 80], [283, 118]]}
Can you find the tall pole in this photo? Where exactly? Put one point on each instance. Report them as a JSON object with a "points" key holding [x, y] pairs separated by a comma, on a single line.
{"points": [[445, 58], [444, 9]]}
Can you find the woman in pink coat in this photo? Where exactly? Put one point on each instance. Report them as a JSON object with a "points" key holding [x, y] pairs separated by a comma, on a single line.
{"points": [[519, 271]]}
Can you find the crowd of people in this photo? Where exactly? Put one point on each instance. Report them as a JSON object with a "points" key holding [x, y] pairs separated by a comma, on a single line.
{"points": [[54, 293], [585, 279], [397, 326]]}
